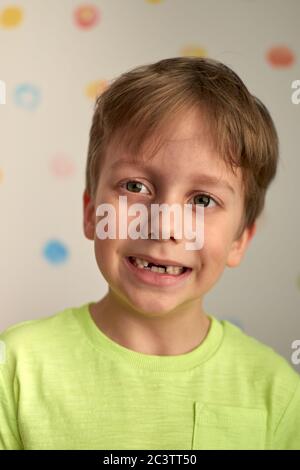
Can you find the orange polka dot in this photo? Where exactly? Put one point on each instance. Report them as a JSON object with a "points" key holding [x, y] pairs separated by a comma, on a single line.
{"points": [[280, 56]]}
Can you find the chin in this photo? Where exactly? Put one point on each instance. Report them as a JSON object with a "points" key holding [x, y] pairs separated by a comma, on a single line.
{"points": [[150, 306]]}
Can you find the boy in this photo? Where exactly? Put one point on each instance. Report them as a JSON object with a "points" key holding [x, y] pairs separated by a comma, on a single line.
{"points": [[146, 367]]}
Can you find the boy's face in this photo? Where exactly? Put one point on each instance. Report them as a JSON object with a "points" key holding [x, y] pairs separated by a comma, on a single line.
{"points": [[174, 175]]}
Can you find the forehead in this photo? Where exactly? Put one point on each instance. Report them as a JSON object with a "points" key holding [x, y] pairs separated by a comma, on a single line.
{"points": [[186, 150]]}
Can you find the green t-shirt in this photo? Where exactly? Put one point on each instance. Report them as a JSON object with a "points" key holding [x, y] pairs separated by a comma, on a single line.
{"points": [[66, 385]]}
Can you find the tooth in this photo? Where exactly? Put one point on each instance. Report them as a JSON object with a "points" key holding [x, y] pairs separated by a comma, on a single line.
{"points": [[141, 262], [156, 269], [161, 270], [175, 270], [170, 270]]}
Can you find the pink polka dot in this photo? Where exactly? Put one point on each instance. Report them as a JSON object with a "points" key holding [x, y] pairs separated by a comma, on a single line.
{"points": [[62, 166], [86, 16]]}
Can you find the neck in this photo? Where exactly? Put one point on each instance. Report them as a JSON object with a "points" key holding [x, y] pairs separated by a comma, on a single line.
{"points": [[172, 334]]}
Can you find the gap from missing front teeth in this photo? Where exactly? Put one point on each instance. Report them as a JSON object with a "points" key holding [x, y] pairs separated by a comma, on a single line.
{"points": [[143, 264]]}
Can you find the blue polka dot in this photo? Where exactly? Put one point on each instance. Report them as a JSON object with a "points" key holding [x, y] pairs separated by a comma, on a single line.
{"points": [[27, 96], [55, 252]]}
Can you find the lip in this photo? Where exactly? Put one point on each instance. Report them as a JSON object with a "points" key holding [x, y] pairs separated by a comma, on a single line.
{"points": [[166, 262], [156, 279]]}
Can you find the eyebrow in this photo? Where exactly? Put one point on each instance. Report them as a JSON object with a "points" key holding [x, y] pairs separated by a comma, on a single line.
{"points": [[209, 180]]}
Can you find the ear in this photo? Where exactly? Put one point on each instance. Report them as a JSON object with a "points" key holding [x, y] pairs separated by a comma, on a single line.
{"points": [[88, 216], [239, 246]]}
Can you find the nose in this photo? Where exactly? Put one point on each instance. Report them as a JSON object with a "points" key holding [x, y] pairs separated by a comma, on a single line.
{"points": [[165, 219]]}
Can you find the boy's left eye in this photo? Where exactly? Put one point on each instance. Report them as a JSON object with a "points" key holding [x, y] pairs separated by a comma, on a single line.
{"points": [[205, 199]]}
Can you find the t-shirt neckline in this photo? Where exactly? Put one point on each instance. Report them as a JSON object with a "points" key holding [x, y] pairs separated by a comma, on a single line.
{"points": [[171, 363]]}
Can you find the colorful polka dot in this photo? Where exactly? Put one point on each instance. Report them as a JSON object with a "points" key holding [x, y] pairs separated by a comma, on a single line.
{"points": [[86, 16], [11, 17], [1, 176], [193, 50], [27, 96], [62, 166], [55, 252], [280, 57], [94, 89]]}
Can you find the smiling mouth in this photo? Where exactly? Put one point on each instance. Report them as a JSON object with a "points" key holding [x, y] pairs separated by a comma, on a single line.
{"points": [[157, 268]]}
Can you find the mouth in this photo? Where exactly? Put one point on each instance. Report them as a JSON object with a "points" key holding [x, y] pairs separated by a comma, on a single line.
{"points": [[157, 274]]}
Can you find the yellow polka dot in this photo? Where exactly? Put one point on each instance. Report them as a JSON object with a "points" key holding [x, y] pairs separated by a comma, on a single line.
{"points": [[94, 89], [11, 17], [1, 176], [192, 50]]}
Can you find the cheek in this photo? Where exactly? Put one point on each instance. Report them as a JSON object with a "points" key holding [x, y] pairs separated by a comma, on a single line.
{"points": [[118, 223], [106, 256], [212, 258], [216, 245]]}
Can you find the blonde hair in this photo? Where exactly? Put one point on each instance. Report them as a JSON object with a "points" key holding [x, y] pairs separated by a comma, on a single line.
{"points": [[140, 103]]}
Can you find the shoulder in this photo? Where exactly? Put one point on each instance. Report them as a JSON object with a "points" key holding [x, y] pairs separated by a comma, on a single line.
{"points": [[268, 373], [267, 379], [31, 337], [252, 352]]}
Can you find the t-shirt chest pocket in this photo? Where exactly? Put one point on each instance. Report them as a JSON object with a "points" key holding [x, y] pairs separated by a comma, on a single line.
{"points": [[228, 427]]}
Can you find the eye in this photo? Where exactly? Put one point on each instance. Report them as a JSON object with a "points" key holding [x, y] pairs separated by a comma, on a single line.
{"points": [[205, 199], [134, 186]]}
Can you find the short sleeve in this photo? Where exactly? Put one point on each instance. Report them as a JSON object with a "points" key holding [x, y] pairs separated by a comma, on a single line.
{"points": [[9, 433], [287, 433]]}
